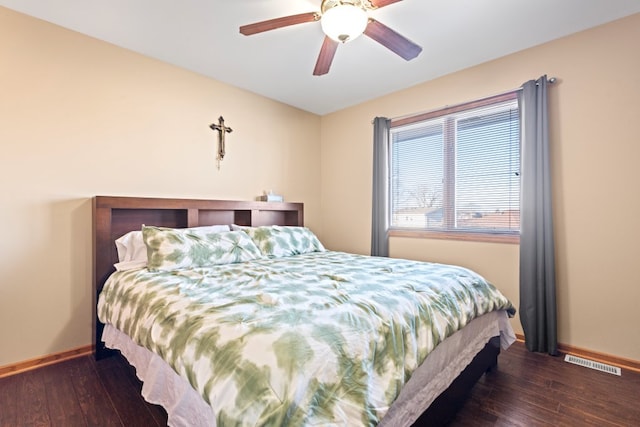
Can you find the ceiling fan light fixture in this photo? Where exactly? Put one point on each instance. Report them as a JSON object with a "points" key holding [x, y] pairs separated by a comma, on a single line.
{"points": [[344, 22]]}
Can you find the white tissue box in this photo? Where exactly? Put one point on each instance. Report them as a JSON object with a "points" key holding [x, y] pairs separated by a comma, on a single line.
{"points": [[271, 198]]}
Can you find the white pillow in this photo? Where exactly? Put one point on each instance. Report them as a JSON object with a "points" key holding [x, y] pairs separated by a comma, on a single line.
{"points": [[132, 252], [131, 247]]}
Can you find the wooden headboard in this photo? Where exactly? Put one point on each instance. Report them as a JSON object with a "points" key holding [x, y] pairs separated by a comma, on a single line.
{"points": [[115, 216]]}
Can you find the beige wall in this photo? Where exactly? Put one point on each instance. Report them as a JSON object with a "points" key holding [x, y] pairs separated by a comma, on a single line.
{"points": [[594, 112], [81, 118]]}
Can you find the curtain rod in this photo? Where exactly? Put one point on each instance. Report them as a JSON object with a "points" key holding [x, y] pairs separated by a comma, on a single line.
{"points": [[550, 80]]}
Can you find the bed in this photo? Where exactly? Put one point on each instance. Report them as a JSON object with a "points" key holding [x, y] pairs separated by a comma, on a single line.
{"points": [[272, 382]]}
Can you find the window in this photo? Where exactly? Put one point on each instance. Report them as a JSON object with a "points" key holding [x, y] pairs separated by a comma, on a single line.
{"points": [[456, 171]]}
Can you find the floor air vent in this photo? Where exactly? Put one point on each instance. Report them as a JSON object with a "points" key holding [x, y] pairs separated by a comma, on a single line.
{"points": [[614, 370]]}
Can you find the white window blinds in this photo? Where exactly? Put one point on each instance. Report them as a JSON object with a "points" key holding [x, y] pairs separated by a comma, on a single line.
{"points": [[457, 169]]}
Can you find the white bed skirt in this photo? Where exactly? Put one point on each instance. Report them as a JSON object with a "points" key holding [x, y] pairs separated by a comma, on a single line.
{"points": [[186, 408]]}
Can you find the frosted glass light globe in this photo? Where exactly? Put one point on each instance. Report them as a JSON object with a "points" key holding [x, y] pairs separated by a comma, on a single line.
{"points": [[344, 22]]}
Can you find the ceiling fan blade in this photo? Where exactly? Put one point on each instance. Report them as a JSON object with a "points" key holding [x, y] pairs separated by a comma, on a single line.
{"points": [[325, 58], [392, 40], [382, 3], [273, 24]]}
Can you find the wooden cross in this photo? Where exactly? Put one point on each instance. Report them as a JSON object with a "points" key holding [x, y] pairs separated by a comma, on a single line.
{"points": [[222, 130]]}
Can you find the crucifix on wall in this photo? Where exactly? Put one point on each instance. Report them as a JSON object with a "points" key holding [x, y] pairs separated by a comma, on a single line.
{"points": [[222, 130]]}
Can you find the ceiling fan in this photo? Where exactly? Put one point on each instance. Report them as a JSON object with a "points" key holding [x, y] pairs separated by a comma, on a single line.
{"points": [[343, 21]]}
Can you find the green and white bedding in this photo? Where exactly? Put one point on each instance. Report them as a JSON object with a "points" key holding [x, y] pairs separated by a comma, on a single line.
{"points": [[319, 338]]}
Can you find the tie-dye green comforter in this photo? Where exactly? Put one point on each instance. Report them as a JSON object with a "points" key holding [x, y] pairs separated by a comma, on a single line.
{"points": [[324, 338]]}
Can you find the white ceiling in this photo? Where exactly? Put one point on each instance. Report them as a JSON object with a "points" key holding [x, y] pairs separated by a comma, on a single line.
{"points": [[202, 36]]}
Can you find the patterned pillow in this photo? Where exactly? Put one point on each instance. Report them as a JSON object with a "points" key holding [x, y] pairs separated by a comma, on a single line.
{"points": [[174, 248], [132, 252], [281, 241]]}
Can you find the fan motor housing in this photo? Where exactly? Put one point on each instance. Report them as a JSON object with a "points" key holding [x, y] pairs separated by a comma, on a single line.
{"points": [[328, 4]]}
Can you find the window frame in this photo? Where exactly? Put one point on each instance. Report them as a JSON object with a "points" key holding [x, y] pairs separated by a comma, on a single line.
{"points": [[462, 235]]}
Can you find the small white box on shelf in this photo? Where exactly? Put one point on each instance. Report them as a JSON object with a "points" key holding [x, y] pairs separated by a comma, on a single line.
{"points": [[271, 197]]}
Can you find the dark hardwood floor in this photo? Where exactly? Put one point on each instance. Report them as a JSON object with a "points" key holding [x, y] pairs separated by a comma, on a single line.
{"points": [[532, 389], [527, 389], [77, 392]]}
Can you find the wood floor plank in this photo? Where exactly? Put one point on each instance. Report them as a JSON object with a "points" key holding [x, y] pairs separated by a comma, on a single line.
{"points": [[32, 404], [625, 395], [515, 411], [131, 406], [519, 388], [577, 416], [9, 401], [605, 409], [62, 402], [94, 400]]}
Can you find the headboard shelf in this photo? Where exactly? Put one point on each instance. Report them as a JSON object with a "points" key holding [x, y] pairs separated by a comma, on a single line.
{"points": [[115, 216]]}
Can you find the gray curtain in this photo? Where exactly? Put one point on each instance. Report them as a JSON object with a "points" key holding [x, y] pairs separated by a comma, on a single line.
{"points": [[537, 258], [380, 210]]}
